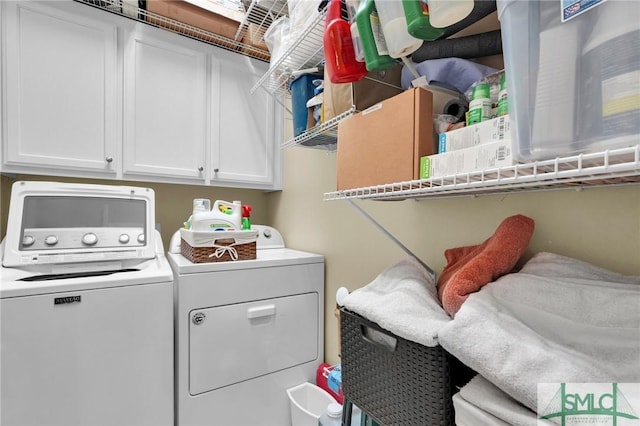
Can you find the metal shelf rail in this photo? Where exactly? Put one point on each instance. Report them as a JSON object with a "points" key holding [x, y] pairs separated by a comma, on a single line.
{"points": [[610, 167], [255, 15]]}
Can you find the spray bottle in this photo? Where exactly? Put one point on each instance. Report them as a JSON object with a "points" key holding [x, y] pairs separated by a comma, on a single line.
{"points": [[246, 217]]}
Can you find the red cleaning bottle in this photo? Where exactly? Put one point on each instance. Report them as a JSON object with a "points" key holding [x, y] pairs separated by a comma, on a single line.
{"points": [[246, 216], [339, 53]]}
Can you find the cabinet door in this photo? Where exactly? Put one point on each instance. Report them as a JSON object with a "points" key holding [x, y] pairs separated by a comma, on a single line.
{"points": [[165, 105], [244, 125], [61, 88]]}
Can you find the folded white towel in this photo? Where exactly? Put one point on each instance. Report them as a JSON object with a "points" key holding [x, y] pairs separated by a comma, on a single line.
{"points": [[468, 414], [481, 403], [557, 320], [403, 300]]}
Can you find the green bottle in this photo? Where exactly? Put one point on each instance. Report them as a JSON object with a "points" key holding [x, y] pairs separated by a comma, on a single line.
{"points": [[417, 13], [373, 43]]}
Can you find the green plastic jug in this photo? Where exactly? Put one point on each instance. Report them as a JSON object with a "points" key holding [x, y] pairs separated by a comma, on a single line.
{"points": [[417, 13], [373, 43]]}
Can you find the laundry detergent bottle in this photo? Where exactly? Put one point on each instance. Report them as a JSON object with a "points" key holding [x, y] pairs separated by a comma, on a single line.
{"points": [[339, 53], [223, 216], [352, 10], [418, 23], [394, 26], [376, 54]]}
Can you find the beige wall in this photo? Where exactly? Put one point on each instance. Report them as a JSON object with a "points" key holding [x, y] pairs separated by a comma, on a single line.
{"points": [[598, 225]]}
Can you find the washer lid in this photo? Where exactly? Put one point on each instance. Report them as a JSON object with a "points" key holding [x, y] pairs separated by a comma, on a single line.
{"points": [[57, 223]]}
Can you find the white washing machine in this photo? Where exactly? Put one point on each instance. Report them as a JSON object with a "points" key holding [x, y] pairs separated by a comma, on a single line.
{"points": [[86, 308], [246, 331]]}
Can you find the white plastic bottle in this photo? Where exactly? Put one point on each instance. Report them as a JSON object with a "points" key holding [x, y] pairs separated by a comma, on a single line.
{"points": [[332, 415], [444, 13], [394, 27]]}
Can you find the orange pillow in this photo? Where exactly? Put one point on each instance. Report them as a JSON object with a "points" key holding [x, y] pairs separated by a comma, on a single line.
{"points": [[470, 268]]}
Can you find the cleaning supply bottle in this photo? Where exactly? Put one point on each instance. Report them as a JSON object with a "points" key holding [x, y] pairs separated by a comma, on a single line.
{"points": [[339, 53], [352, 10], [418, 23], [246, 217], [224, 216], [503, 103], [201, 208], [332, 415], [480, 105], [394, 26], [444, 13], [376, 54]]}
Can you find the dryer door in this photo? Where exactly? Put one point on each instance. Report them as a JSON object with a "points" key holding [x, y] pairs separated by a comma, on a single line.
{"points": [[232, 343]]}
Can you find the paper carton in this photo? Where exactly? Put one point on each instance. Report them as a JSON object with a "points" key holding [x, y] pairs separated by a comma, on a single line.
{"points": [[478, 157], [496, 129]]}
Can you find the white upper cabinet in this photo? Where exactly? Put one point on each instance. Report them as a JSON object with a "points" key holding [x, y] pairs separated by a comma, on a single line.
{"points": [[88, 93], [245, 127], [165, 105], [60, 88]]}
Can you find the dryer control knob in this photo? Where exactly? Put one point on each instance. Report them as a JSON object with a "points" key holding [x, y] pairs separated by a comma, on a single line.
{"points": [[141, 238], [124, 238], [89, 239], [267, 233], [51, 240]]}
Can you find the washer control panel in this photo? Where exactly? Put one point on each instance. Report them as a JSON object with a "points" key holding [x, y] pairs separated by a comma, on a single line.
{"points": [[77, 238]]}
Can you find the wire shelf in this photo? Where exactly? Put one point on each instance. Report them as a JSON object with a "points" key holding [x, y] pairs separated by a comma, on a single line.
{"points": [[611, 167], [324, 136], [305, 51], [254, 14]]}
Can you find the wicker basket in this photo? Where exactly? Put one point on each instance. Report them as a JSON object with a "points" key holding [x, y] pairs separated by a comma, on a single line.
{"points": [[396, 381], [244, 251]]}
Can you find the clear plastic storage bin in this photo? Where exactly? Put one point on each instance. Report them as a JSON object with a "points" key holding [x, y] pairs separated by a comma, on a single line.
{"points": [[573, 75]]}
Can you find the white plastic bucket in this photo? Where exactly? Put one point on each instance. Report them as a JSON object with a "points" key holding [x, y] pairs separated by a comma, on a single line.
{"points": [[307, 402]]}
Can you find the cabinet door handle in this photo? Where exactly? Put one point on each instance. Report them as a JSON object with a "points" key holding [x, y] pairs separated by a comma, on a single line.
{"points": [[200, 168], [216, 170], [108, 159]]}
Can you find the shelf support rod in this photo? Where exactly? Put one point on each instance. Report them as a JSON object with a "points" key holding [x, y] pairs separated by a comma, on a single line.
{"points": [[389, 235]]}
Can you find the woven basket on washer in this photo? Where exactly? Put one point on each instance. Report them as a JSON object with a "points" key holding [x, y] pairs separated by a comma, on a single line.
{"points": [[396, 381]]}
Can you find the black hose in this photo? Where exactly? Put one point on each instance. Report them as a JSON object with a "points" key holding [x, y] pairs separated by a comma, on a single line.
{"points": [[473, 46]]}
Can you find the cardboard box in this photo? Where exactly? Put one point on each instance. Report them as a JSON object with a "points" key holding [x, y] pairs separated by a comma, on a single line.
{"points": [[384, 143], [374, 88], [254, 36], [488, 155], [224, 22], [496, 129]]}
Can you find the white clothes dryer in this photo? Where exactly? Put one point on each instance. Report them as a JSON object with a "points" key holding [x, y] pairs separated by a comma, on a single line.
{"points": [[246, 331], [86, 308]]}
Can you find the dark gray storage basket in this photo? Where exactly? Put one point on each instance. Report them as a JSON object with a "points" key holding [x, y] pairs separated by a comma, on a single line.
{"points": [[394, 380]]}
